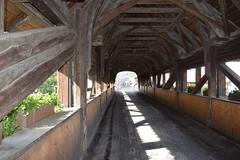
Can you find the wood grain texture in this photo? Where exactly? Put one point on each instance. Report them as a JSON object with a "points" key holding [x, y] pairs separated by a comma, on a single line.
{"points": [[40, 53]]}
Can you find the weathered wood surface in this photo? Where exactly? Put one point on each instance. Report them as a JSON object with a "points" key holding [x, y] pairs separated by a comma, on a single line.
{"points": [[2, 15], [28, 58]]}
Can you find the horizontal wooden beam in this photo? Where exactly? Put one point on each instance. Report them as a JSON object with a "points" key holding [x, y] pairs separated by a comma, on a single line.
{"points": [[28, 58], [146, 20], [108, 17], [153, 10]]}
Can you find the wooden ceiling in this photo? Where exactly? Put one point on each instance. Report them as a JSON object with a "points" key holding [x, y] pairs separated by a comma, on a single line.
{"points": [[141, 35]]}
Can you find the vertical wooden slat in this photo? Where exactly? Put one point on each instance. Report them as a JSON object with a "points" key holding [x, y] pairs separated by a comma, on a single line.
{"points": [[2, 15], [198, 74], [63, 85], [221, 84]]}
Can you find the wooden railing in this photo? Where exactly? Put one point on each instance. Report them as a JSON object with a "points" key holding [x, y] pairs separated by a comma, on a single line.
{"points": [[221, 115], [58, 136]]}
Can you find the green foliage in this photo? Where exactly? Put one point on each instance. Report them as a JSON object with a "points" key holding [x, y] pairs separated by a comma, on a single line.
{"points": [[46, 94], [190, 89], [205, 91], [235, 92], [49, 86], [9, 123]]}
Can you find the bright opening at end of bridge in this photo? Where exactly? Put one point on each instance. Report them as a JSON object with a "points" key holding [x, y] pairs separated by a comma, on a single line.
{"points": [[126, 81]]}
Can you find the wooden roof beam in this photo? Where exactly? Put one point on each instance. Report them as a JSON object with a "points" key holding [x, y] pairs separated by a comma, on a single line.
{"points": [[108, 17]]}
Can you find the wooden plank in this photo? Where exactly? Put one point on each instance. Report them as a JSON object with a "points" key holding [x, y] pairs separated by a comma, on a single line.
{"points": [[234, 77], [145, 20], [2, 15], [136, 10], [16, 47], [25, 56]]}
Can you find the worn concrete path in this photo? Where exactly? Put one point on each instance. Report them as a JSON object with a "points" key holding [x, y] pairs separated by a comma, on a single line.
{"points": [[133, 129]]}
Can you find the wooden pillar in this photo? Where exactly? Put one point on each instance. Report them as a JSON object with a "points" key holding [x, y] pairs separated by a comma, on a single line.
{"points": [[154, 81], [98, 71], [210, 69], [164, 79], [221, 84], [181, 80], [63, 85], [2, 15], [158, 80], [65, 94], [198, 74], [83, 47]]}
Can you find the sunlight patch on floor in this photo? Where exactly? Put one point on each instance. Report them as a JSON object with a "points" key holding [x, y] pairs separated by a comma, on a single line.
{"points": [[159, 154], [146, 132]]}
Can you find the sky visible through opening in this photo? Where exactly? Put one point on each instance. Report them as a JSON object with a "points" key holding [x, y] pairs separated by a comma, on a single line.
{"points": [[126, 80]]}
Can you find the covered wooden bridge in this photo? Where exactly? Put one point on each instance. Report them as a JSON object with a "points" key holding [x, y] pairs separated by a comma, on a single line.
{"points": [[95, 40]]}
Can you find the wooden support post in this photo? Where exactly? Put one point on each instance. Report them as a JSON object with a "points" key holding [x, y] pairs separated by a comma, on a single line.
{"points": [[63, 85], [164, 79], [2, 15], [98, 71], [210, 69], [159, 80], [81, 64], [154, 81], [181, 80], [221, 87], [198, 74]]}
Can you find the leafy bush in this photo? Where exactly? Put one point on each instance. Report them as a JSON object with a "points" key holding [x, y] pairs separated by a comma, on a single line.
{"points": [[190, 89], [205, 91], [46, 94], [9, 123], [234, 95], [235, 92]]}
